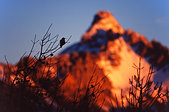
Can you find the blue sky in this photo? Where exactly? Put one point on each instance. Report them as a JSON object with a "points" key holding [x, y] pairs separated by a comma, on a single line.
{"points": [[20, 20]]}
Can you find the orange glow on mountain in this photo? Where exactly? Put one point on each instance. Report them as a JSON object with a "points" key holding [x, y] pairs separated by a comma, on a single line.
{"points": [[98, 66], [103, 21]]}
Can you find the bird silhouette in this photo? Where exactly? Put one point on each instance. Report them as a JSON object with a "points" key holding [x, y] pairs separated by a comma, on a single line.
{"points": [[62, 42]]}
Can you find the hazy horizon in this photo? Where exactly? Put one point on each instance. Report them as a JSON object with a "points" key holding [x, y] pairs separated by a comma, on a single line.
{"points": [[21, 20]]}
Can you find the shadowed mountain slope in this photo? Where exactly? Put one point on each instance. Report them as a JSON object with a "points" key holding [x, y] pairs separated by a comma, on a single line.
{"points": [[106, 51]]}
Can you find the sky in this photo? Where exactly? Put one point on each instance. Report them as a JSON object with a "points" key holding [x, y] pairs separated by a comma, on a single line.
{"points": [[20, 20]]}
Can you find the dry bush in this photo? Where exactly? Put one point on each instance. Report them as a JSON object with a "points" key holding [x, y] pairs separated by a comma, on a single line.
{"points": [[143, 95], [25, 83], [34, 83]]}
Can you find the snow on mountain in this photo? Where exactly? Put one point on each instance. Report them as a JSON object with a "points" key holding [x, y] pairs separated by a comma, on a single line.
{"points": [[103, 21], [162, 75], [124, 70], [93, 46], [113, 50], [118, 49], [105, 29]]}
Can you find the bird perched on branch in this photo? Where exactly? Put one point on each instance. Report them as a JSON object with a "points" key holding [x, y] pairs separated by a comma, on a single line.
{"points": [[62, 42]]}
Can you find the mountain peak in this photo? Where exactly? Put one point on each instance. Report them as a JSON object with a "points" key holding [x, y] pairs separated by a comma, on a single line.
{"points": [[103, 20]]}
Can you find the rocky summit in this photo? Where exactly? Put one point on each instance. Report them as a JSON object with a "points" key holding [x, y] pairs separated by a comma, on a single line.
{"points": [[101, 61]]}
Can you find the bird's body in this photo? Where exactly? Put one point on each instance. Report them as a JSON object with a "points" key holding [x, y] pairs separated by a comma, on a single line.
{"points": [[62, 42]]}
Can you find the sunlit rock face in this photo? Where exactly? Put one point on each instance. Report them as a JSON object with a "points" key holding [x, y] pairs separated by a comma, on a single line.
{"points": [[1, 72], [116, 50], [106, 50], [103, 20], [155, 53]]}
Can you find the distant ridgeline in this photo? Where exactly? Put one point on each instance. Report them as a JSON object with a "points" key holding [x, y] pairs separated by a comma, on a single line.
{"points": [[106, 51]]}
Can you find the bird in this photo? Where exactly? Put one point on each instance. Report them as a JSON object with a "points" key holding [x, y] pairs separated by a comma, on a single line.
{"points": [[62, 42]]}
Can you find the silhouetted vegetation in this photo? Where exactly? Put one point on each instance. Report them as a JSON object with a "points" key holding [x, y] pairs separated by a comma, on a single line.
{"points": [[27, 86], [35, 84], [143, 95], [32, 86]]}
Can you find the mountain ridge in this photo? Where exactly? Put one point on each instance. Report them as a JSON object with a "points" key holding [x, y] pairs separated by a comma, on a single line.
{"points": [[105, 25], [110, 49]]}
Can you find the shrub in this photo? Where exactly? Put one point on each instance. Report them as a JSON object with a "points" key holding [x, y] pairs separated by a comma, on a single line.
{"points": [[27, 81], [142, 95]]}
